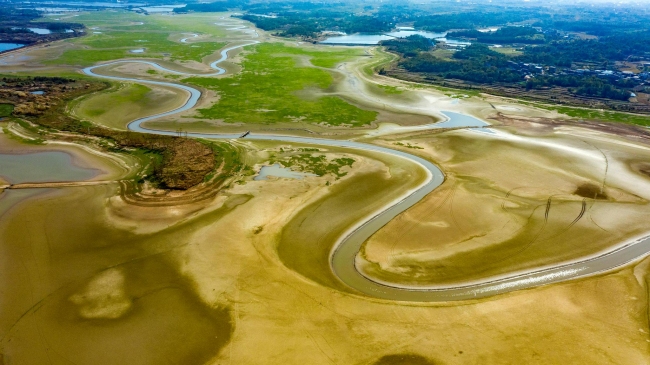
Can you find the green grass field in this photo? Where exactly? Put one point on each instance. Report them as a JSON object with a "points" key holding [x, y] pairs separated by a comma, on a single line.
{"points": [[118, 44], [121, 104], [5, 110], [390, 90], [129, 21], [266, 90], [508, 51], [120, 34]]}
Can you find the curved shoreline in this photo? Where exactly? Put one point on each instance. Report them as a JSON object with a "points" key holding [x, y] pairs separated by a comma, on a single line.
{"points": [[213, 65], [192, 35], [343, 253]]}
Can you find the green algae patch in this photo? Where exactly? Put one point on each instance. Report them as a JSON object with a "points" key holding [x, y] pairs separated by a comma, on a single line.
{"points": [[319, 165]]}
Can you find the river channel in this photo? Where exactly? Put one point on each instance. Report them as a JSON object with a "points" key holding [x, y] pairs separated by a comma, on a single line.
{"points": [[344, 251]]}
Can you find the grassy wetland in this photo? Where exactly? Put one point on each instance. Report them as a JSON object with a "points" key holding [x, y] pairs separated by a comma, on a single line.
{"points": [[123, 103], [147, 274], [115, 35], [268, 89]]}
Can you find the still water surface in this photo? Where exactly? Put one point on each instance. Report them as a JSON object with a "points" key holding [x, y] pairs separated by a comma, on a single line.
{"points": [[51, 166], [278, 171], [8, 46], [371, 39]]}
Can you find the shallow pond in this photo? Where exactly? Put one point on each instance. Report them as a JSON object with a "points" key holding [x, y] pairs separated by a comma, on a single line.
{"points": [[161, 8], [278, 171], [51, 166], [98, 4], [402, 33], [460, 120], [370, 39], [361, 39], [36, 30], [8, 46]]}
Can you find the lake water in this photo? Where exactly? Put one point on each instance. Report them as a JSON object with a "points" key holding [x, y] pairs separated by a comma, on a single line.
{"points": [[161, 9], [38, 92], [139, 50], [97, 4], [43, 30], [405, 33], [361, 39], [372, 39], [51, 166], [279, 171], [8, 46], [457, 120], [36, 30]]}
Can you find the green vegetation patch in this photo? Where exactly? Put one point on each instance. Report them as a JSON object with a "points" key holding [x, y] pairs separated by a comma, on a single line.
{"points": [[408, 145], [119, 32], [316, 164], [229, 158], [391, 90], [130, 93], [592, 114], [123, 103], [381, 59], [119, 44], [6, 109], [508, 51], [266, 90], [129, 21], [16, 137]]}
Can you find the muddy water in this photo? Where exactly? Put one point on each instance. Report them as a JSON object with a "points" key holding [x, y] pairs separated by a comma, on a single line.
{"points": [[279, 171], [76, 289], [51, 166]]}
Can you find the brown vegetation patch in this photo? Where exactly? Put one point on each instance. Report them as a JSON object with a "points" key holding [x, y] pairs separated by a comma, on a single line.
{"points": [[591, 191], [404, 359], [185, 162], [643, 168]]}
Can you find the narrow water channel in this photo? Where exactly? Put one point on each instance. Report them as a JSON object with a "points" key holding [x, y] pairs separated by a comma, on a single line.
{"points": [[344, 251]]}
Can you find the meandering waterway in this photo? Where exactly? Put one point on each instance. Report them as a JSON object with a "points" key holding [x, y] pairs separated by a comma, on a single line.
{"points": [[344, 251]]}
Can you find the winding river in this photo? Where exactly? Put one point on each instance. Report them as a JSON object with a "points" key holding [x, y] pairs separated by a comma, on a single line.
{"points": [[344, 251]]}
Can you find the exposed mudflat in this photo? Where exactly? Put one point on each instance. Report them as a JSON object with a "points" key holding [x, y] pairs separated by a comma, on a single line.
{"points": [[206, 281]]}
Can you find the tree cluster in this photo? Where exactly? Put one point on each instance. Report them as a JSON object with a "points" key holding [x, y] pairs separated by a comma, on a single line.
{"points": [[505, 35]]}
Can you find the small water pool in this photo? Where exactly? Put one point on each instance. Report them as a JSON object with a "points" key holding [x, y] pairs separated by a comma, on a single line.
{"points": [[278, 171], [35, 30], [9, 46], [48, 166]]}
